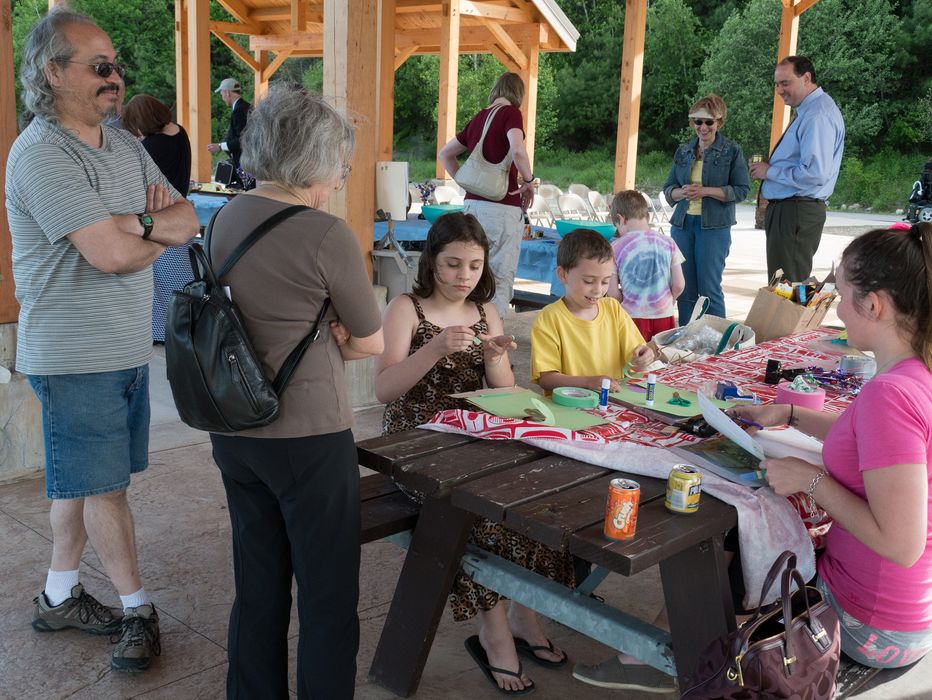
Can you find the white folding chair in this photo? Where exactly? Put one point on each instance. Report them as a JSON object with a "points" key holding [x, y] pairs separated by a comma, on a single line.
{"points": [[579, 190], [551, 195], [665, 210], [539, 213], [573, 207], [597, 202]]}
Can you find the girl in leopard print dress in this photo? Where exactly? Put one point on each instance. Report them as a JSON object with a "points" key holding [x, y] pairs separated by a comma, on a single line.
{"points": [[430, 353]]}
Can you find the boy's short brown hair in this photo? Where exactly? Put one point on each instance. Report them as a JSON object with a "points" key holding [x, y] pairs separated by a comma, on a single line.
{"points": [[629, 204], [582, 244]]}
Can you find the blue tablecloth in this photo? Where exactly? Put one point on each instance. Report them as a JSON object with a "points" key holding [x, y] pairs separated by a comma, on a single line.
{"points": [[537, 260], [205, 205]]}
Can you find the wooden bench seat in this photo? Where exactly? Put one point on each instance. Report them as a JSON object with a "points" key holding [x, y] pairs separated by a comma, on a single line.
{"points": [[385, 509], [527, 301]]}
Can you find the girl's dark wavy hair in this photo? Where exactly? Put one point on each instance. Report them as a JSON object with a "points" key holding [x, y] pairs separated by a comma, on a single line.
{"points": [[900, 264], [447, 229]]}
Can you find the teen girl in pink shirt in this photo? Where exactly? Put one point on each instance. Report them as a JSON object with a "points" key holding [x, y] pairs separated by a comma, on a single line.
{"points": [[876, 569]]}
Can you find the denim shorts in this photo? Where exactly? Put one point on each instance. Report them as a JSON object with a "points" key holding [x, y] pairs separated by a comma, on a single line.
{"points": [[874, 647], [96, 429]]}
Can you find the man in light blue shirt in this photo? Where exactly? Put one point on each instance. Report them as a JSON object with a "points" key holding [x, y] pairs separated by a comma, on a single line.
{"points": [[802, 170]]}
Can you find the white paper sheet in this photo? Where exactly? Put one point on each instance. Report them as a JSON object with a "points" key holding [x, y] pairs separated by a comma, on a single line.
{"points": [[715, 417]]}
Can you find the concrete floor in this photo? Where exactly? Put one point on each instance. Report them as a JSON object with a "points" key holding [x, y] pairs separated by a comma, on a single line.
{"points": [[185, 556]]}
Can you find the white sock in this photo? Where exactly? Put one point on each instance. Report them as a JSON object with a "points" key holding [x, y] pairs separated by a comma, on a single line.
{"points": [[134, 600], [58, 585]]}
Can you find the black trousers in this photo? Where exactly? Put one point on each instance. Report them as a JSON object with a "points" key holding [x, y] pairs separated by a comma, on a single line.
{"points": [[294, 509], [794, 229]]}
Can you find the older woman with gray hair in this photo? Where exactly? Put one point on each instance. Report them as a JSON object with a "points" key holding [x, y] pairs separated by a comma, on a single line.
{"points": [[293, 486]]}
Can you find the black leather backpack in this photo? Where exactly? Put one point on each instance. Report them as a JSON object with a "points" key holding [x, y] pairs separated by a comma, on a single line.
{"points": [[216, 380]]}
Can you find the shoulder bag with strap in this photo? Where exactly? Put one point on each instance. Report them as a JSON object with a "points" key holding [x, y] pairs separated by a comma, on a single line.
{"points": [[480, 177], [216, 380], [790, 649]]}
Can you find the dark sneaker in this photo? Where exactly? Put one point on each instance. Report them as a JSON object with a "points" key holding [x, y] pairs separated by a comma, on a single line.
{"points": [[139, 641], [81, 611], [611, 673]]}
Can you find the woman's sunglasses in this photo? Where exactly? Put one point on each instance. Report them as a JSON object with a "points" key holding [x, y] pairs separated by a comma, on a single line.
{"points": [[104, 70], [707, 122]]}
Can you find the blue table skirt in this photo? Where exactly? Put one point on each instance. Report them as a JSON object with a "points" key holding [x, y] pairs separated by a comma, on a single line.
{"points": [[537, 260]]}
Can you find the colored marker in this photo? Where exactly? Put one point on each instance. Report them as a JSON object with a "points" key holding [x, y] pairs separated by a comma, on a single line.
{"points": [[651, 388], [603, 395]]}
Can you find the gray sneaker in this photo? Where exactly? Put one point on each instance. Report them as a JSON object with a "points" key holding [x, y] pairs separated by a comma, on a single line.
{"points": [[139, 641], [81, 611], [611, 673]]}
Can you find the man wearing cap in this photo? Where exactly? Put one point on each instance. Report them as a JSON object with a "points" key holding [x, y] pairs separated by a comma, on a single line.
{"points": [[802, 170], [230, 92]]}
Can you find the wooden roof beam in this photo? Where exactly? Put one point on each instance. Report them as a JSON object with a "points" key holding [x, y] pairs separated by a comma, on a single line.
{"points": [[274, 65], [504, 58], [240, 12], [231, 27], [803, 6], [402, 55], [292, 41], [502, 13], [408, 6], [504, 40], [231, 44]]}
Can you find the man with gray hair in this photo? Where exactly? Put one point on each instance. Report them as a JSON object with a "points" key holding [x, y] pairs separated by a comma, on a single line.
{"points": [[89, 212]]}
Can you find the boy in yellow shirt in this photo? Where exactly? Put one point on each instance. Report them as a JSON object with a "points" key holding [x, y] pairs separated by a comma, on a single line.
{"points": [[576, 342], [586, 335]]}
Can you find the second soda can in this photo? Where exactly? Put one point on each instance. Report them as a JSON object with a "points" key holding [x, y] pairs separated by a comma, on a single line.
{"points": [[684, 486], [621, 509]]}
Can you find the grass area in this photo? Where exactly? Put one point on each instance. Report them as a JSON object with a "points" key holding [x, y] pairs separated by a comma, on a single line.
{"points": [[880, 182]]}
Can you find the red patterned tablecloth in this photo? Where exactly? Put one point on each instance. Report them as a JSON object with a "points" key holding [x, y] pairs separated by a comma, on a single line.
{"points": [[744, 367]]}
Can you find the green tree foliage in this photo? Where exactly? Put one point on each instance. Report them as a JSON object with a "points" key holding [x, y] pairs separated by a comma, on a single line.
{"points": [[673, 56], [739, 68]]}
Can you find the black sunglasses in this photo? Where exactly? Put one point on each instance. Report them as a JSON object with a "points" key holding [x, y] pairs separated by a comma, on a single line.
{"points": [[700, 122], [105, 69]]}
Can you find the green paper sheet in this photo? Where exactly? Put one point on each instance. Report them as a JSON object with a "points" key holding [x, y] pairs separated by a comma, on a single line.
{"points": [[662, 395], [513, 406]]}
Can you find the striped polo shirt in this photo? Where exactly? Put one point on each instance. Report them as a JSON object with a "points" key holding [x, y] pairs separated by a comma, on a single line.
{"points": [[75, 319]]}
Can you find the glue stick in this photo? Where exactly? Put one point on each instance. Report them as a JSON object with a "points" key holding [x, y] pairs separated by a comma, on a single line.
{"points": [[603, 395], [651, 388]]}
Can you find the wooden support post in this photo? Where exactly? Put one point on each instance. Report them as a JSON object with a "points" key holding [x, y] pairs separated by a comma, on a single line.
{"points": [[529, 106], [386, 80], [9, 309], [182, 80], [449, 75], [350, 78], [789, 33], [199, 88], [260, 84], [629, 100]]}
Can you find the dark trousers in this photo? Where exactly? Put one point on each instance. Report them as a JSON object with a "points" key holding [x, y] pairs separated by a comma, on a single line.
{"points": [[794, 229], [294, 510]]}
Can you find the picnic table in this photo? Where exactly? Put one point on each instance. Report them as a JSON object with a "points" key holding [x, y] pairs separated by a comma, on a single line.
{"points": [[560, 502]]}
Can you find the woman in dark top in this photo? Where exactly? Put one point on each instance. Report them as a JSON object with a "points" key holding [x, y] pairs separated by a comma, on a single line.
{"points": [[166, 141]]}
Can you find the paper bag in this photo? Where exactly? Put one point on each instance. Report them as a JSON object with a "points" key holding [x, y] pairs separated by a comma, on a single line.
{"points": [[773, 316]]}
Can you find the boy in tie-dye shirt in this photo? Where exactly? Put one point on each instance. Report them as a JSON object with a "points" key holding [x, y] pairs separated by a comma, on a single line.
{"points": [[650, 273]]}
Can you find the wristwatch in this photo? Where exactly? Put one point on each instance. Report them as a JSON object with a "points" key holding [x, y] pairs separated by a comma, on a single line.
{"points": [[146, 221]]}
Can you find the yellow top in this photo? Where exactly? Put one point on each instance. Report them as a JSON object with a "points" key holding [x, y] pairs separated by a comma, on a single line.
{"points": [[695, 178], [561, 342]]}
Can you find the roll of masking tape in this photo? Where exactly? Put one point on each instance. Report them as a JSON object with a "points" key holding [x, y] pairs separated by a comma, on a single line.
{"points": [[545, 411], [575, 397]]}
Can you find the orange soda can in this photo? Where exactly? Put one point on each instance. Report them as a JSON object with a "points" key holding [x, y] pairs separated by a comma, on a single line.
{"points": [[621, 509]]}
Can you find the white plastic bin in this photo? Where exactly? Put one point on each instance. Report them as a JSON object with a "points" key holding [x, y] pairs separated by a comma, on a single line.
{"points": [[391, 272]]}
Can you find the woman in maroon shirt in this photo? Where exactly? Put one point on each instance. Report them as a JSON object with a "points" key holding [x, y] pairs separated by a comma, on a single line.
{"points": [[503, 220]]}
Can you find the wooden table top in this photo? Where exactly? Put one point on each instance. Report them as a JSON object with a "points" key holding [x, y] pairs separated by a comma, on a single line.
{"points": [[555, 500]]}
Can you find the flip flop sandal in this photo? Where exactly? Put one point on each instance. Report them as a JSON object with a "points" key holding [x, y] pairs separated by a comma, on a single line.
{"points": [[474, 647], [529, 652]]}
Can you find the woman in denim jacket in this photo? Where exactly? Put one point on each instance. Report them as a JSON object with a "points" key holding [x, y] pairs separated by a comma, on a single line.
{"points": [[709, 175]]}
